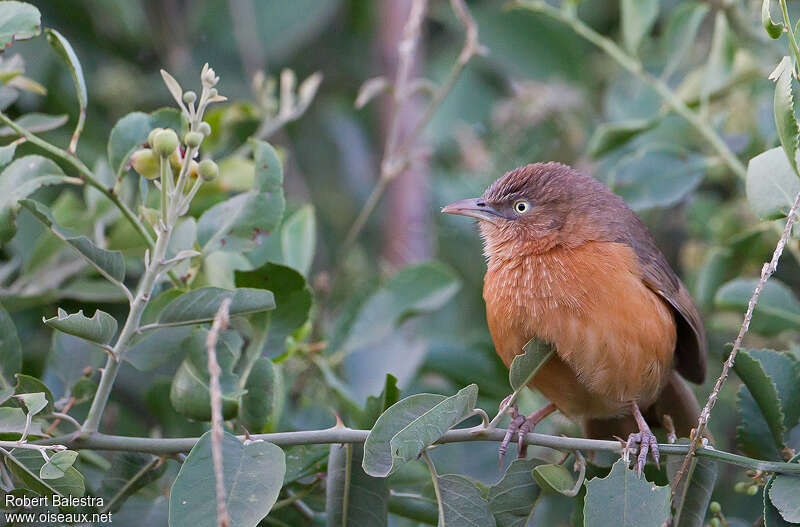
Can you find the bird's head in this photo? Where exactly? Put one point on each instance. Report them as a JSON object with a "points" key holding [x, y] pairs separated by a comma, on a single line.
{"points": [[535, 207]]}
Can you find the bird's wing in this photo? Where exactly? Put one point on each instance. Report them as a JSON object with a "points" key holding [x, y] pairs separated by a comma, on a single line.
{"points": [[690, 349]]}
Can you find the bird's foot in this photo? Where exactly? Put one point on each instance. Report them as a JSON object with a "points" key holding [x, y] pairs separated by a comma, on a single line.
{"points": [[646, 441], [521, 426]]}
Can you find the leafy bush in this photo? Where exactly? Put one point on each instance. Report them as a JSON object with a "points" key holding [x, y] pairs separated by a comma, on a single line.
{"points": [[179, 309]]}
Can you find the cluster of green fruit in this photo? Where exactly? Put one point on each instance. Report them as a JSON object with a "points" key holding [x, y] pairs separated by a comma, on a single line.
{"points": [[163, 144]]}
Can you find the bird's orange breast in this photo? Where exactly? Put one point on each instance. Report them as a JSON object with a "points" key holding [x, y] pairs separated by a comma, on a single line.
{"points": [[614, 337]]}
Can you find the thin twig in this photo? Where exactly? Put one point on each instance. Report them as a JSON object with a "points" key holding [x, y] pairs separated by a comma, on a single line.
{"points": [[766, 272], [221, 320], [634, 66], [397, 153], [31, 446]]}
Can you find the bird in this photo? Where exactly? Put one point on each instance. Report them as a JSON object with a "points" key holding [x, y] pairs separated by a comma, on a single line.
{"points": [[569, 264]]}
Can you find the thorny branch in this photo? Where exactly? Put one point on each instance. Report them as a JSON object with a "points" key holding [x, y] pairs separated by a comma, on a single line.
{"points": [[220, 323], [766, 272]]}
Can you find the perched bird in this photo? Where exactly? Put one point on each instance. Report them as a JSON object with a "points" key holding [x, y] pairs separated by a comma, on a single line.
{"points": [[568, 263]]}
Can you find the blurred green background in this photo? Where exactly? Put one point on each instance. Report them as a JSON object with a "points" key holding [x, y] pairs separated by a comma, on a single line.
{"points": [[539, 94]]}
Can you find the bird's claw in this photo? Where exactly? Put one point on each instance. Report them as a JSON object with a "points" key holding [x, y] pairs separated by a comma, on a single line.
{"points": [[521, 426], [647, 444]]}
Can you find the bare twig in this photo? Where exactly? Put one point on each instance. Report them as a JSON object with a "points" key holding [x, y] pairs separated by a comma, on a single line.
{"points": [[220, 323], [397, 153], [766, 272]]}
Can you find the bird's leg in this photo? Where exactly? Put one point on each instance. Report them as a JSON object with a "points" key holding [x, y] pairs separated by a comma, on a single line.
{"points": [[521, 425], [644, 438]]}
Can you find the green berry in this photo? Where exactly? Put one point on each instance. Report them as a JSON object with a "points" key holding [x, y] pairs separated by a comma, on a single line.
{"points": [[151, 137], [204, 128], [165, 142], [740, 487], [715, 522], [145, 163], [715, 507], [193, 139], [189, 97], [752, 490], [212, 92], [207, 169]]}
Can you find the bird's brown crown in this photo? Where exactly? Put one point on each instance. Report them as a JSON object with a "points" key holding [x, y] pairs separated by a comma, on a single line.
{"points": [[542, 205]]}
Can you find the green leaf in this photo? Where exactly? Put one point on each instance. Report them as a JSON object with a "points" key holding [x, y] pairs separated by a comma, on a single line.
{"points": [[461, 503], [27, 384], [253, 475], [692, 500], [377, 405], [765, 393], [785, 121], [411, 425], [680, 172], [784, 493], [512, 499], [525, 365], [130, 133], [130, 471], [18, 180], [25, 465], [298, 239], [67, 361], [681, 32], [352, 498], [554, 479], [773, 30], [99, 329], [10, 354], [157, 347], [412, 291], [110, 264], [625, 500], [610, 136], [292, 300], [7, 154], [58, 465], [34, 402], [239, 223], [777, 309], [64, 49], [12, 424], [304, 460], [258, 404], [771, 184], [773, 516], [190, 392], [18, 21], [200, 305], [268, 168], [35, 123], [638, 17]]}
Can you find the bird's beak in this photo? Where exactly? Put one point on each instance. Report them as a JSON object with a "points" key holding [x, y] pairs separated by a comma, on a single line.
{"points": [[473, 208]]}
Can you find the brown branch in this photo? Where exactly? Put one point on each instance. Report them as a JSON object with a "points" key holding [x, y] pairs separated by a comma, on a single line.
{"points": [[766, 272], [219, 324], [397, 154]]}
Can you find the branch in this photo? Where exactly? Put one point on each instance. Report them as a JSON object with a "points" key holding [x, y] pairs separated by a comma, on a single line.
{"points": [[170, 446], [396, 154], [89, 178], [634, 66], [766, 272], [215, 393]]}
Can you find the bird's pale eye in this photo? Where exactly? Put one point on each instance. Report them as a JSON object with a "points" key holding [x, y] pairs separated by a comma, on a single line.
{"points": [[521, 207]]}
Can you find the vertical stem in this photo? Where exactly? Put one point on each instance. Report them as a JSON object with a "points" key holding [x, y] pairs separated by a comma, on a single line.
{"points": [[790, 31], [109, 375], [215, 394]]}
